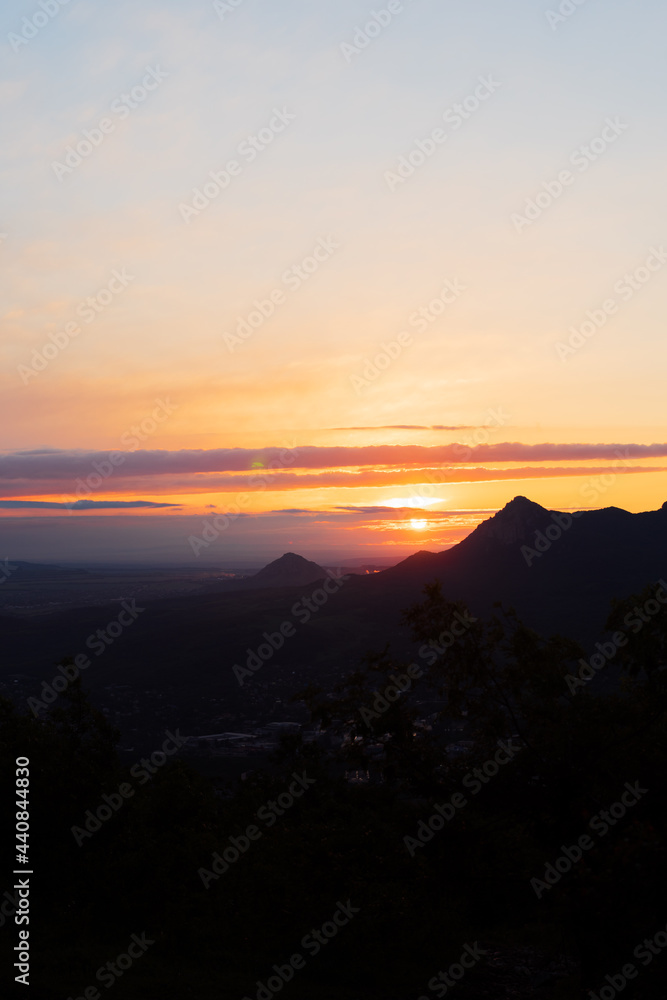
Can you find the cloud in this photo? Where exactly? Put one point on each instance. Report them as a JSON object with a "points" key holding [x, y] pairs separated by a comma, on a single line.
{"points": [[284, 481], [407, 427], [389, 511], [443, 475], [61, 465], [293, 510], [79, 504]]}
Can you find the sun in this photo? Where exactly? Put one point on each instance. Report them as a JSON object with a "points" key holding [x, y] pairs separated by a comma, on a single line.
{"points": [[418, 525]]}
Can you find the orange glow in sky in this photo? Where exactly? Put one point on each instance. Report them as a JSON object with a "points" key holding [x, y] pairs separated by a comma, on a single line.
{"points": [[353, 336]]}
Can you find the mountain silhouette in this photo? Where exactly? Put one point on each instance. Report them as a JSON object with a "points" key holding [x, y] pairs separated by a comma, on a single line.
{"points": [[560, 578], [559, 570], [513, 523], [290, 570]]}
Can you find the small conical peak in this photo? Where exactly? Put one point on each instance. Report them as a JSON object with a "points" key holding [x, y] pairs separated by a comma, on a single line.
{"points": [[289, 569]]}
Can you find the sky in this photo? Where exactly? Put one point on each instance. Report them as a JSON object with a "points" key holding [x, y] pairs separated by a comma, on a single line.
{"points": [[340, 279]]}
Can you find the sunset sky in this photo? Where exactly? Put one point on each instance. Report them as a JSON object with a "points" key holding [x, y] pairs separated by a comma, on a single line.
{"points": [[454, 192]]}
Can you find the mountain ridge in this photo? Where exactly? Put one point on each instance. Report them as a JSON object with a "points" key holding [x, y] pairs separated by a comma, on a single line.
{"points": [[559, 569]]}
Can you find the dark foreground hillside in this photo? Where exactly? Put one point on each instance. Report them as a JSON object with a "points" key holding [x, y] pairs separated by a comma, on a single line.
{"points": [[524, 859]]}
